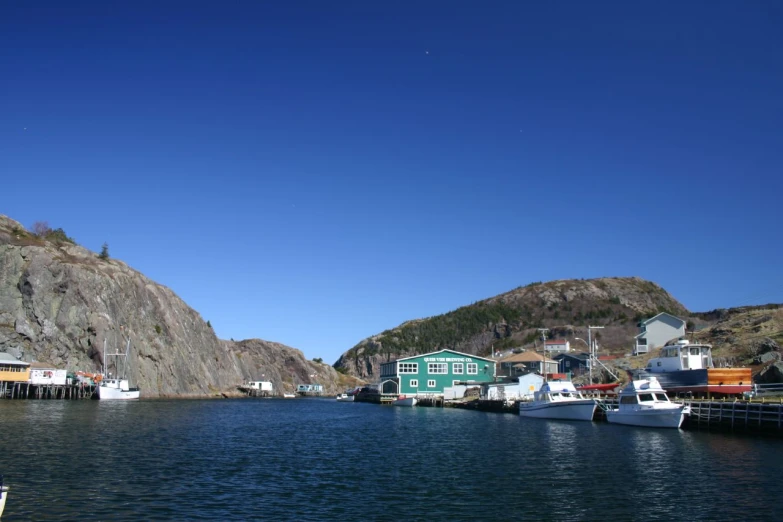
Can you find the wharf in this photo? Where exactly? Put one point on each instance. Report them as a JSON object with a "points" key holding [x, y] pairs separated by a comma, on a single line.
{"points": [[731, 415], [766, 416], [26, 390]]}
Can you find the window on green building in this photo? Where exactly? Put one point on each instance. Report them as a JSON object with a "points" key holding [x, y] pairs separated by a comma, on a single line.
{"points": [[472, 368], [437, 368], [457, 368], [431, 383], [409, 367]]}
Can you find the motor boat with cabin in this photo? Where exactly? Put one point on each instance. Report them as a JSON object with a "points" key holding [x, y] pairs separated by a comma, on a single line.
{"points": [[645, 403], [558, 400], [684, 367], [344, 397]]}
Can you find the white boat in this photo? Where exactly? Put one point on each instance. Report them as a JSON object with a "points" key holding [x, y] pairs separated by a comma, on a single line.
{"points": [[558, 400], [289, 396], [344, 397], [3, 495], [402, 400], [645, 403], [117, 387]]}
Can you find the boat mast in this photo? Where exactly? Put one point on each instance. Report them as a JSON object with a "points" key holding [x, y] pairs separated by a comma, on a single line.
{"points": [[125, 366], [543, 351]]}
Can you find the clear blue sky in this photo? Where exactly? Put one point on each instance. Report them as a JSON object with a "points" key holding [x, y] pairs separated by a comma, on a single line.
{"points": [[314, 173]]}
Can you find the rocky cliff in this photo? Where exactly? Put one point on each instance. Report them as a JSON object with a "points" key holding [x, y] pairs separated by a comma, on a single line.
{"points": [[59, 302], [511, 320]]}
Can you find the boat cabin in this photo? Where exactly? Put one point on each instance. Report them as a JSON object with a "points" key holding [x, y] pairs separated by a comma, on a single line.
{"points": [[556, 390], [682, 356]]}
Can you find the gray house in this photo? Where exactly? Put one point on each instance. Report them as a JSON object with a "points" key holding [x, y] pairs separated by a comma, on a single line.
{"points": [[656, 331]]}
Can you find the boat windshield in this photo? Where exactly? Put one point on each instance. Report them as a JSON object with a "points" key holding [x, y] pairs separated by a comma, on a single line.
{"points": [[662, 397], [645, 397]]}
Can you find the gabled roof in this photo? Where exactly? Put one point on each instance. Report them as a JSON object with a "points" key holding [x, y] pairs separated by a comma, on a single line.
{"points": [[579, 356], [7, 358], [524, 357], [441, 351], [556, 341], [648, 321]]}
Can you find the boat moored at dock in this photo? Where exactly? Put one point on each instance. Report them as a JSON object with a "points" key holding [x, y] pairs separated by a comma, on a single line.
{"points": [[405, 401], [645, 403], [688, 368], [117, 387], [558, 400], [344, 397]]}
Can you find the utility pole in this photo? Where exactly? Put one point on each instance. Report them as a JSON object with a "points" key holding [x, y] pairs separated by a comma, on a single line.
{"points": [[592, 348], [543, 349]]}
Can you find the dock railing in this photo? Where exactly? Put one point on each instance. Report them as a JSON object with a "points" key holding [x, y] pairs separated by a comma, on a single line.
{"points": [[764, 390]]}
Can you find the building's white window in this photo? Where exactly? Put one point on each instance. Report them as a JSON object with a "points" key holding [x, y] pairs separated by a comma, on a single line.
{"points": [[431, 383], [414, 383], [457, 368], [409, 367], [472, 368], [437, 368]]}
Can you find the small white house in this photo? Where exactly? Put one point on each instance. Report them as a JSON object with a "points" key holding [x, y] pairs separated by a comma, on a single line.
{"points": [[264, 386], [44, 376], [557, 346], [655, 332], [512, 391]]}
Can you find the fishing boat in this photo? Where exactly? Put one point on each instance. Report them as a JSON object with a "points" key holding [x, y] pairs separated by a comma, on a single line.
{"points": [[3, 495], [344, 397], [405, 401], [684, 367], [116, 387], [558, 400], [645, 403]]}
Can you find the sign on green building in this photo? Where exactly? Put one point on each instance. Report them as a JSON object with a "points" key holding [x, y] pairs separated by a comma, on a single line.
{"points": [[430, 373]]}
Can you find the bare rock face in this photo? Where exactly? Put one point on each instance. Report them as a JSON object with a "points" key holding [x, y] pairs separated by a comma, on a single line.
{"points": [[60, 302]]}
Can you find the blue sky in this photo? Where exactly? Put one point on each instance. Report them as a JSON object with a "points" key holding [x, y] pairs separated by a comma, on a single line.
{"points": [[314, 173]]}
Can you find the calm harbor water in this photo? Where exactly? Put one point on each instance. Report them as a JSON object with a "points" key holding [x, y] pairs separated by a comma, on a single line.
{"points": [[317, 459]]}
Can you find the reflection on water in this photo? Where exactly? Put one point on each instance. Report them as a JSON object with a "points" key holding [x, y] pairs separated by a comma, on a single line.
{"points": [[313, 459]]}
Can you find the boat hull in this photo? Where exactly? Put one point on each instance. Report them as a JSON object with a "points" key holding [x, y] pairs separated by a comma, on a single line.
{"points": [[725, 381], [347, 398], [406, 402], [581, 409], [3, 495], [106, 393], [658, 418]]}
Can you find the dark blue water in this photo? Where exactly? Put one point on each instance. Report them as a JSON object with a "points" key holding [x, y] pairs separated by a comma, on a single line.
{"points": [[317, 459]]}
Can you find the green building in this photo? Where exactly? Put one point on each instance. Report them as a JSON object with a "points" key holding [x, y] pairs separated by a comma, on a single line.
{"points": [[430, 373]]}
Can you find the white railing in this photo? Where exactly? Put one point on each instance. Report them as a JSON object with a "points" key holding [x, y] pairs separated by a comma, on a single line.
{"points": [[640, 348]]}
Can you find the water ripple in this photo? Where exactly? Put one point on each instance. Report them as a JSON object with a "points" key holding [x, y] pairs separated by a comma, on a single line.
{"points": [[318, 460]]}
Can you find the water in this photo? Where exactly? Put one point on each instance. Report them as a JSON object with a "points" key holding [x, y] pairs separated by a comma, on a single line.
{"points": [[317, 459]]}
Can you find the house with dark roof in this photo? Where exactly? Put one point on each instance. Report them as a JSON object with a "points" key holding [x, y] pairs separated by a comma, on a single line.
{"points": [[573, 363]]}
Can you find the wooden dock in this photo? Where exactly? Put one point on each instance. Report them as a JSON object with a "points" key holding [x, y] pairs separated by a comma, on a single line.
{"points": [[734, 415], [25, 390], [730, 415]]}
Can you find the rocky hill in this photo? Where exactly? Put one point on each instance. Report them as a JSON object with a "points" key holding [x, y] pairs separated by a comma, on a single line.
{"points": [[59, 302], [511, 320]]}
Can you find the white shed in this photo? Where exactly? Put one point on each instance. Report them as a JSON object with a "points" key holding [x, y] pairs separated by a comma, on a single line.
{"points": [[264, 386], [529, 384], [43, 376]]}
